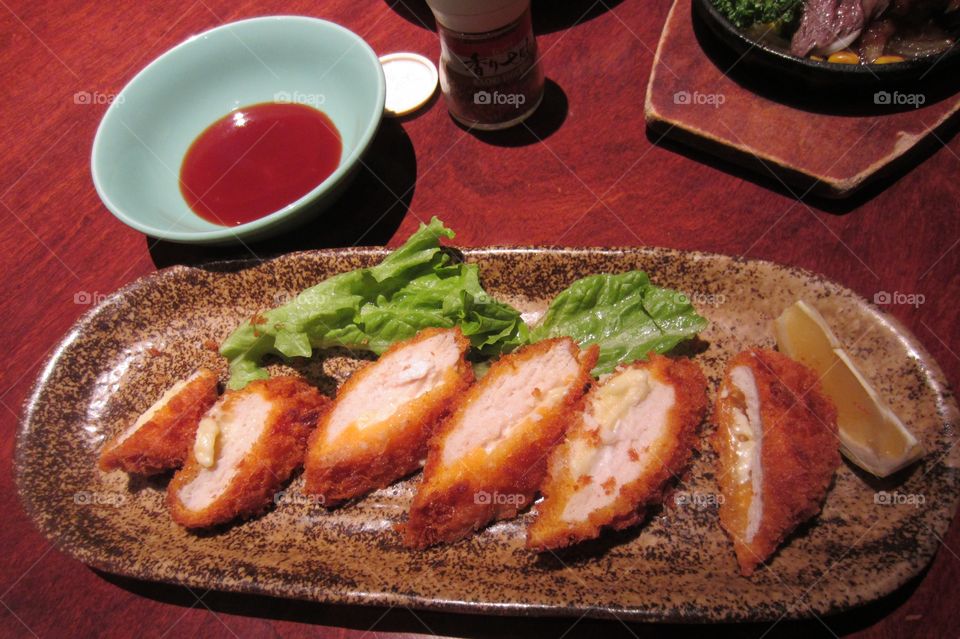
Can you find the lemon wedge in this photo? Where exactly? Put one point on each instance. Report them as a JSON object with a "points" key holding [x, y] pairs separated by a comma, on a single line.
{"points": [[871, 434], [205, 444]]}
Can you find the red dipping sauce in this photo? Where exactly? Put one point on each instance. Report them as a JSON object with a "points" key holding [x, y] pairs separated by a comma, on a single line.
{"points": [[258, 159]]}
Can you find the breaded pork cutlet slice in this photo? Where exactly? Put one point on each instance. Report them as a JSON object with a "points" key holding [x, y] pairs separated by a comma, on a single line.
{"points": [[636, 432], [377, 428], [489, 457], [262, 437], [777, 444], [162, 436]]}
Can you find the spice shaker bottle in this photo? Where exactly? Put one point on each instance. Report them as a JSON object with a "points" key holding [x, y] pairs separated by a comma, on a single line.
{"points": [[489, 72]]}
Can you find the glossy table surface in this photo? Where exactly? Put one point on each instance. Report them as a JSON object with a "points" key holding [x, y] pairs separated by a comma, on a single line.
{"points": [[583, 171]]}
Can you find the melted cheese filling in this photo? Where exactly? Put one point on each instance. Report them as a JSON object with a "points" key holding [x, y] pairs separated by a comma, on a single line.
{"points": [[630, 413], [399, 378], [240, 422], [746, 440]]}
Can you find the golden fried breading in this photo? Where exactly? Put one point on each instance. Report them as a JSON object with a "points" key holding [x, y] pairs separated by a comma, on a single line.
{"points": [[263, 431], [636, 432], [162, 436], [377, 428], [777, 444], [489, 457]]}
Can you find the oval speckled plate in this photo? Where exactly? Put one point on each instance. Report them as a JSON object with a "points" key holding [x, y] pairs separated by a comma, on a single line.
{"points": [[871, 537]]}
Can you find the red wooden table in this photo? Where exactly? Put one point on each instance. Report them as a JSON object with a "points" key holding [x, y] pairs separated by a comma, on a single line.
{"points": [[585, 172]]}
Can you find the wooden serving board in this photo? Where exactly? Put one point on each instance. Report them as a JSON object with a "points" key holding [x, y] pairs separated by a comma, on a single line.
{"points": [[828, 141]]}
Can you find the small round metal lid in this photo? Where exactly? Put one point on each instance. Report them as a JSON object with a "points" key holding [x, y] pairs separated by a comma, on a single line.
{"points": [[411, 82]]}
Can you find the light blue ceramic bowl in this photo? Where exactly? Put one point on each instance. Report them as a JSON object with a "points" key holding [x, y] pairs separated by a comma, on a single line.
{"points": [[148, 128]]}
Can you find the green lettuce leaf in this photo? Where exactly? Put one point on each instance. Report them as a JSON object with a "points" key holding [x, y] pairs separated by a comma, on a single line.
{"points": [[419, 285], [625, 314]]}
